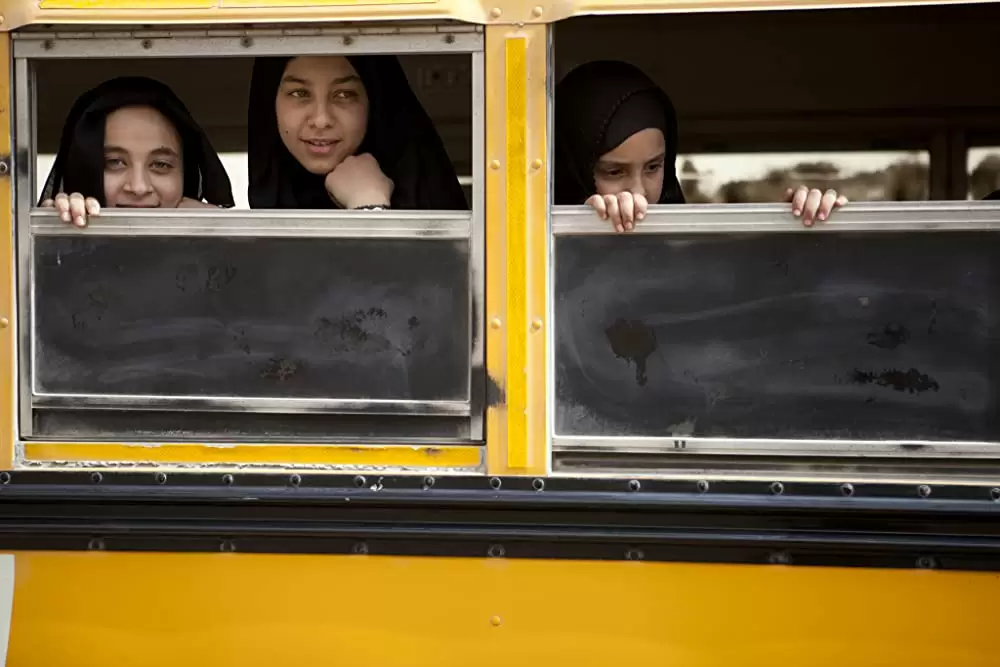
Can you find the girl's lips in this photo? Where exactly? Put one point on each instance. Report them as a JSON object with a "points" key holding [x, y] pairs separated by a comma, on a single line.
{"points": [[320, 147]]}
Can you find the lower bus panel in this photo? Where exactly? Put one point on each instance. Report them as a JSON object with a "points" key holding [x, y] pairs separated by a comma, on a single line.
{"points": [[101, 609]]}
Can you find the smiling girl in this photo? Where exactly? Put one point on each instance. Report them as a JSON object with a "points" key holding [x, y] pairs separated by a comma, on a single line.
{"points": [[131, 143], [344, 132]]}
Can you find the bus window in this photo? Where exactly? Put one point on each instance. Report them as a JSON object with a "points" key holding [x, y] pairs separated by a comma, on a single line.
{"points": [[217, 324], [723, 329]]}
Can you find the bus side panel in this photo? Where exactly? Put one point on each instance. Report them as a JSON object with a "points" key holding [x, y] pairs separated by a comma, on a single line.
{"points": [[104, 608]]}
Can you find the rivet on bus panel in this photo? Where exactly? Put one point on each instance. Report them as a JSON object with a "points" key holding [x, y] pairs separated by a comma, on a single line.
{"points": [[495, 164], [4, 323], [2, 19], [496, 621], [536, 324], [536, 12], [536, 164], [495, 323], [496, 12]]}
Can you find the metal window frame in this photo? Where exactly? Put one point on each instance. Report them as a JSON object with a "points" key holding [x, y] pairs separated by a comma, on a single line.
{"points": [[924, 217], [423, 226]]}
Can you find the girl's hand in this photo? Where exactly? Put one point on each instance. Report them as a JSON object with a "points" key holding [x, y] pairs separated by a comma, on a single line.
{"points": [[623, 210], [74, 209], [358, 181], [812, 205]]}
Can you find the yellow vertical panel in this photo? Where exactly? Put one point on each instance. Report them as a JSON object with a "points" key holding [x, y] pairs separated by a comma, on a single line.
{"points": [[496, 251], [8, 379], [517, 199], [157, 610], [515, 82], [537, 241]]}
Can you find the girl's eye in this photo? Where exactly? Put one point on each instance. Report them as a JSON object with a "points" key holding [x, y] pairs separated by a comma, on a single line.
{"points": [[162, 166], [299, 94], [113, 163], [653, 168], [345, 95]]}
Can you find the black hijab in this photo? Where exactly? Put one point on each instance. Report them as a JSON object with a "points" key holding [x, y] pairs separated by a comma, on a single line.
{"points": [[598, 106], [993, 195], [79, 164], [400, 136]]}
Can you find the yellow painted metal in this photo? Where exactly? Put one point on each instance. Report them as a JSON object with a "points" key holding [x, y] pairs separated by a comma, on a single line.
{"points": [[587, 7], [496, 251], [125, 4], [516, 112], [158, 610], [516, 123], [18, 13], [321, 3], [454, 457], [8, 376]]}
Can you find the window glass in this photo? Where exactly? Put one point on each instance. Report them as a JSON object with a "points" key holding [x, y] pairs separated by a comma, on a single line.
{"points": [[217, 292]]}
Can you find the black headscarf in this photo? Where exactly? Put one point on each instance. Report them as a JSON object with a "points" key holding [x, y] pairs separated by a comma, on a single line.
{"points": [[598, 106], [993, 195], [400, 136], [79, 164]]}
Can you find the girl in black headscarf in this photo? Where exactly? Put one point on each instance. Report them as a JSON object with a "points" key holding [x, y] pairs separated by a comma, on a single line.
{"points": [[130, 142], [616, 144], [344, 132]]}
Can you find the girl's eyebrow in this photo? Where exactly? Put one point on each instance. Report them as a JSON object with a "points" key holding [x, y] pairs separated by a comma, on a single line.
{"points": [[165, 150], [615, 163], [340, 80], [350, 78]]}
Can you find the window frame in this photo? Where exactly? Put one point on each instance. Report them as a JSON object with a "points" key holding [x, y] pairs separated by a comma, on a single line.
{"points": [[707, 219], [246, 42]]}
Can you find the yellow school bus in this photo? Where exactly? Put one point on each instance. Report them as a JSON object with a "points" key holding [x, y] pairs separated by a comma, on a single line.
{"points": [[720, 440]]}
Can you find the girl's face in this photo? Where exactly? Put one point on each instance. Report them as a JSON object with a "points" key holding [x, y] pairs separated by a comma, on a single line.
{"points": [[142, 160], [635, 165], [322, 111]]}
